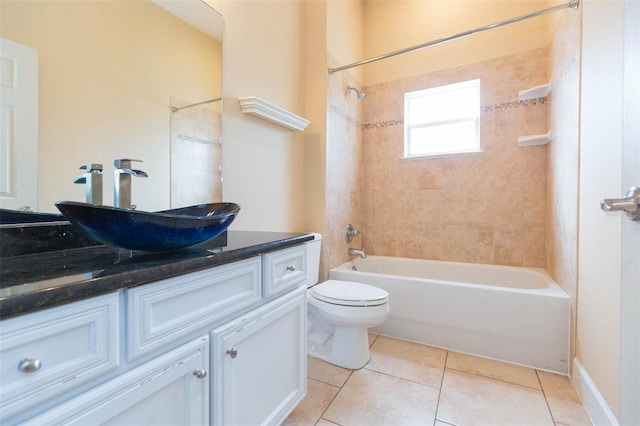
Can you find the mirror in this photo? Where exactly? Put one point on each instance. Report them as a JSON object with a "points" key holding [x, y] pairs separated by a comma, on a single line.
{"points": [[108, 75]]}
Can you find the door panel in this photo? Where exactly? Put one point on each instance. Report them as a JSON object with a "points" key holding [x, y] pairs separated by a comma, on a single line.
{"points": [[18, 125], [630, 289]]}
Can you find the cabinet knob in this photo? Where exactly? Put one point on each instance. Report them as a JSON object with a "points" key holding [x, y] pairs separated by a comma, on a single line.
{"points": [[200, 374], [291, 268], [28, 365], [233, 352]]}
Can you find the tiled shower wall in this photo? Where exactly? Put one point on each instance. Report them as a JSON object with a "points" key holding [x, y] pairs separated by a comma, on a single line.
{"points": [[343, 170], [562, 158], [487, 208]]}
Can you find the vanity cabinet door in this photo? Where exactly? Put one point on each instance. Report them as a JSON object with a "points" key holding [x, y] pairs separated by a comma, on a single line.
{"points": [[172, 389], [48, 354], [259, 363]]}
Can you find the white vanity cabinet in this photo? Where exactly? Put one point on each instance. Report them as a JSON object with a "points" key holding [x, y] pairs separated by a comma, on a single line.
{"points": [[172, 389], [223, 346], [47, 354], [259, 363]]}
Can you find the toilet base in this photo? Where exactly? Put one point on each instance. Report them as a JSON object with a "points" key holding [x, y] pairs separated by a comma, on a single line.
{"points": [[348, 347]]}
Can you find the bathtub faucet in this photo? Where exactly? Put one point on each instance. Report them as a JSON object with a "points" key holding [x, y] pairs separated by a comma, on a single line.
{"points": [[356, 252]]}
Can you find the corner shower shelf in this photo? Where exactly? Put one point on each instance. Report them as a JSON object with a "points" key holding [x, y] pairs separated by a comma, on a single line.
{"points": [[534, 140], [267, 111], [537, 92]]}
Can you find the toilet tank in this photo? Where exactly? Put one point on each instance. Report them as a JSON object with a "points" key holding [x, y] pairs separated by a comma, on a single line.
{"points": [[313, 260]]}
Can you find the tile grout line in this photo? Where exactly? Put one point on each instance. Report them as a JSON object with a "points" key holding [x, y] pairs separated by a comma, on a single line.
{"points": [[397, 377], [546, 401], [334, 398], [444, 369], [501, 380], [340, 387]]}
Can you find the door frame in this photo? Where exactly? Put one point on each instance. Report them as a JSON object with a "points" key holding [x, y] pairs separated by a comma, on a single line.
{"points": [[630, 262]]}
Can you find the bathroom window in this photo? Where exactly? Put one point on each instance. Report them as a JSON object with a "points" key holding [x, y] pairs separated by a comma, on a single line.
{"points": [[442, 120]]}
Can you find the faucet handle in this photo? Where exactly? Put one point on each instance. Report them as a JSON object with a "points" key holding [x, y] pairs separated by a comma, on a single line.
{"points": [[91, 167], [350, 233], [124, 163]]}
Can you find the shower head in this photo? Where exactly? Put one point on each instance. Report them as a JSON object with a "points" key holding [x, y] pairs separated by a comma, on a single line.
{"points": [[361, 95]]}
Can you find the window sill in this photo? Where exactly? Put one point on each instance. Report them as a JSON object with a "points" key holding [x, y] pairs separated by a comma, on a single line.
{"points": [[458, 154]]}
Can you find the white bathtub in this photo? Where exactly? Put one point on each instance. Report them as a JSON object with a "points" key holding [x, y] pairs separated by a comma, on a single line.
{"points": [[519, 315]]}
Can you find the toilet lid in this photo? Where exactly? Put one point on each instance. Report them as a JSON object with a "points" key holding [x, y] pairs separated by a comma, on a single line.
{"points": [[349, 293]]}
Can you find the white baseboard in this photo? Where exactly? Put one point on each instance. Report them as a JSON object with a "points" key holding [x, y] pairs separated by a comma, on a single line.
{"points": [[593, 402]]}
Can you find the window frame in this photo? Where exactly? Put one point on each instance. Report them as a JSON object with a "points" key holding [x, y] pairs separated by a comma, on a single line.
{"points": [[438, 90]]}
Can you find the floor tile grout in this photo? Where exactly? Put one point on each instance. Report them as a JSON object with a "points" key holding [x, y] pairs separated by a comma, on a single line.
{"points": [[546, 400], [497, 379], [500, 379], [444, 370]]}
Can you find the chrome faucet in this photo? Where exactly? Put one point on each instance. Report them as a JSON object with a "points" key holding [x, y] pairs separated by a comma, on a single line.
{"points": [[356, 252], [93, 181], [122, 182]]}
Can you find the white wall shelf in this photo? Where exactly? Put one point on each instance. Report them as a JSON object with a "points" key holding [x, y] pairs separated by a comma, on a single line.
{"points": [[534, 140], [537, 92], [267, 111]]}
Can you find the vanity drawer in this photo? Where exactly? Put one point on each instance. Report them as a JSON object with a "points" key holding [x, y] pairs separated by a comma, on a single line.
{"points": [[48, 353], [161, 312], [283, 270]]}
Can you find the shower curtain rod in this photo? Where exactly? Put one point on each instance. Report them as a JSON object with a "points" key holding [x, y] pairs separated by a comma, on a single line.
{"points": [[573, 4], [175, 109]]}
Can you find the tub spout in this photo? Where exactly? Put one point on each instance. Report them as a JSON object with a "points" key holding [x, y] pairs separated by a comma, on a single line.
{"points": [[356, 252]]}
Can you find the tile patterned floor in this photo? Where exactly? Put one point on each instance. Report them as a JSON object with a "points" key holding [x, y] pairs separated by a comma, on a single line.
{"points": [[407, 383]]}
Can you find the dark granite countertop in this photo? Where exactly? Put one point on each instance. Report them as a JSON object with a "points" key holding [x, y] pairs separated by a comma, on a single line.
{"points": [[34, 281]]}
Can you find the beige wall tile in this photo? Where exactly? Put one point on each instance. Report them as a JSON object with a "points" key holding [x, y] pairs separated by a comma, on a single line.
{"points": [[562, 158], [467, 202]]}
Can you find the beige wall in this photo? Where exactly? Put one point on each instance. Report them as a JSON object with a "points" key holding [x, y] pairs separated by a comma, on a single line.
{"points": [[343, 204], [105, 94], [394, 25], [346, 32], [263, 163], [315, 136], [487, 208]]}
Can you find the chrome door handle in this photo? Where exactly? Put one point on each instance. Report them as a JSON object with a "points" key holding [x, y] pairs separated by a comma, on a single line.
{"points": [[630, 204]]}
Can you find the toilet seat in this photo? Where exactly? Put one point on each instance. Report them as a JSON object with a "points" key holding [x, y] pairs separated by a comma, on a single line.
{"points": [[346, 293]]}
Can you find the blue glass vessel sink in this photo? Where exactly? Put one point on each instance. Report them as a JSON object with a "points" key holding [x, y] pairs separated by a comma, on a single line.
{"points": [[150, 231]]}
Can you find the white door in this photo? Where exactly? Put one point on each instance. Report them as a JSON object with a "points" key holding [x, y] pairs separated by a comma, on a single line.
{"points": [[630, 290], [609, 243], [18, 126]]}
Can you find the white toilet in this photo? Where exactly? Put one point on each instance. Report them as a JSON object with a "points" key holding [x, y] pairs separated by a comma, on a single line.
{"points": [[339, 314]]}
